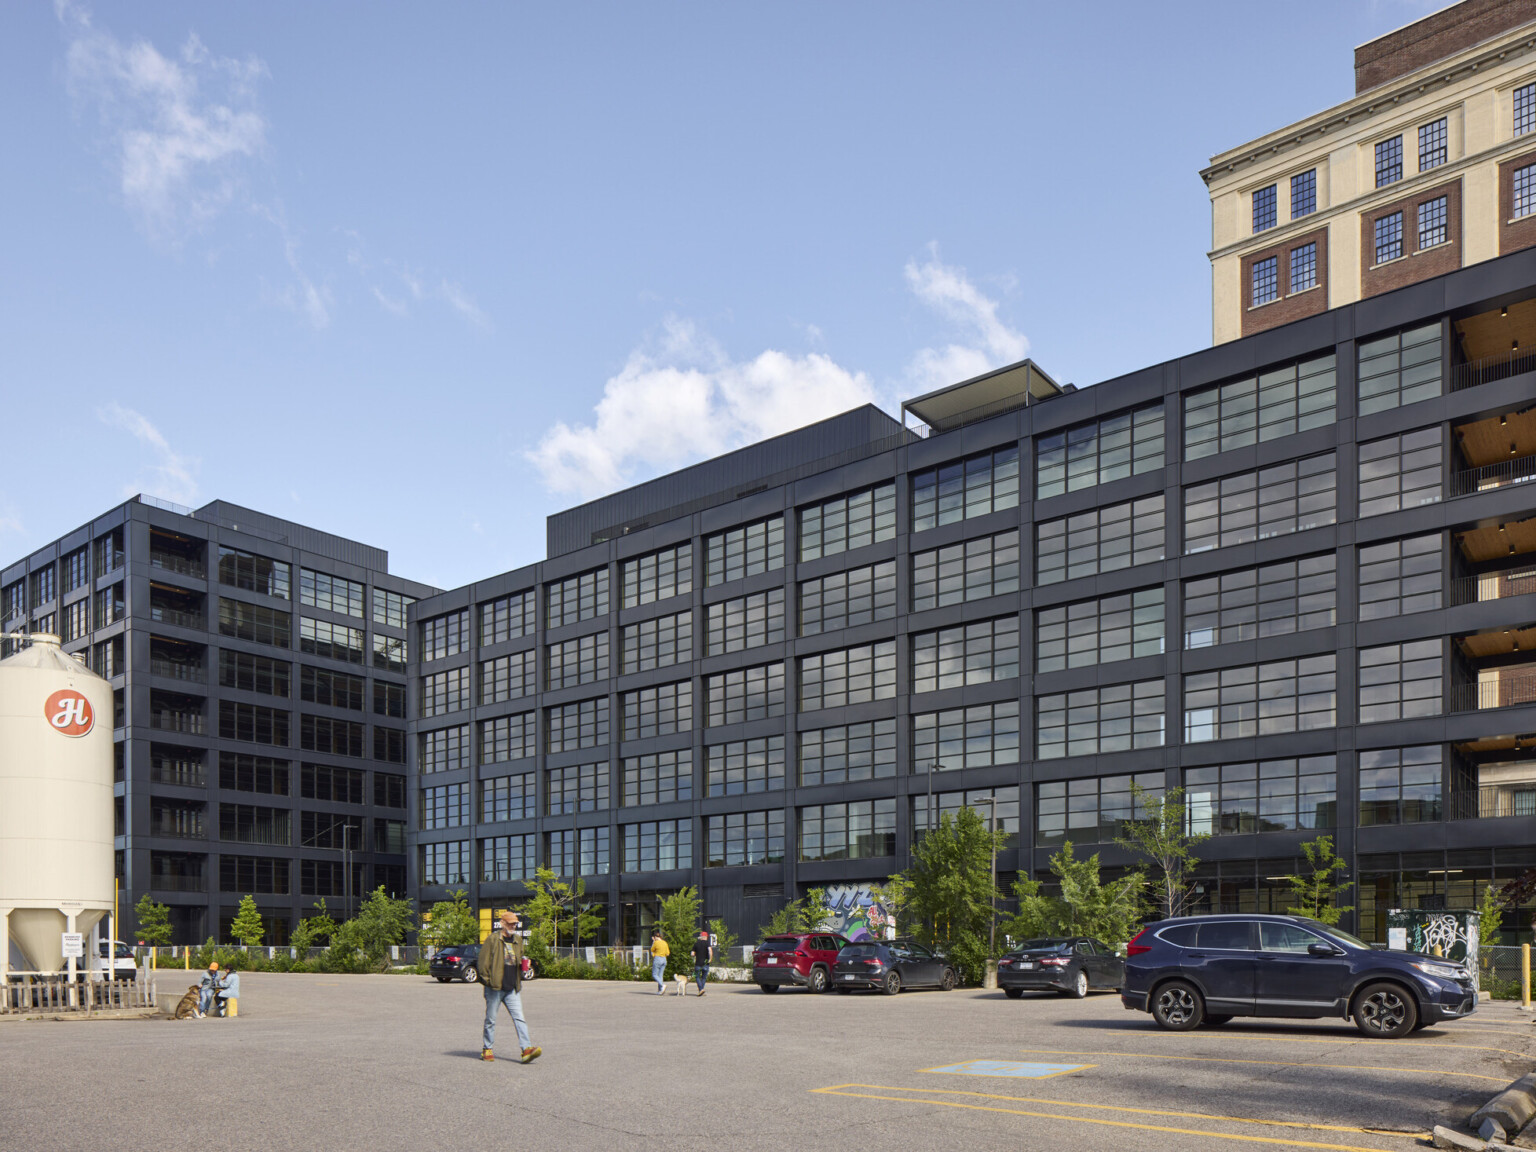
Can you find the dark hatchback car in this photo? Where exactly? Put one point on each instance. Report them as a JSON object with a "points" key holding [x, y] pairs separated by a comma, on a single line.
{"points": [[455, 962], [1208, 969], [890, 966], [802, 959], [1070, 965]]}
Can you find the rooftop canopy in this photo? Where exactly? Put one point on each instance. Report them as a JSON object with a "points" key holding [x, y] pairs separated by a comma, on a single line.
{"points": [[1001, 390]]}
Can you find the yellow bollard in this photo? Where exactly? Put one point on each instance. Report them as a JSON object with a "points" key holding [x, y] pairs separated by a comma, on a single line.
{"points": [[232, 1006], [1525, 975]]}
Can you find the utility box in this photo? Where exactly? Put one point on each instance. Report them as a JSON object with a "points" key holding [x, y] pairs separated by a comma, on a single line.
{"points": [[1452, 935]]}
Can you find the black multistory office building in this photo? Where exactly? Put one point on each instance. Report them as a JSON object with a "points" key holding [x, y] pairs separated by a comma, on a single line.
{"points": [[1292, 574], [259, 675]]}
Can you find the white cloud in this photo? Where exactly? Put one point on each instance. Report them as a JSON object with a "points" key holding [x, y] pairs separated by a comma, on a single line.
{"points": [[988, 342], [171, 474], [397, 286], [178, 128]]}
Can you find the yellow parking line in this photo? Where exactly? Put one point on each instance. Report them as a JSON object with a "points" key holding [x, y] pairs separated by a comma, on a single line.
{"points": [[1355, 1043], [1102, 1123], [944, 1070], [1271, 1063]]}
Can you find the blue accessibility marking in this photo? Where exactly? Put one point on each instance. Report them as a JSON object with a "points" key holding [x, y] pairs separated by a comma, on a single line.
{"points": [[1020, 1070]]}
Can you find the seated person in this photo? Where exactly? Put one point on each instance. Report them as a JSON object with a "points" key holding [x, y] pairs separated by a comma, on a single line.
{"points": [[208, 987], [229, 989]]}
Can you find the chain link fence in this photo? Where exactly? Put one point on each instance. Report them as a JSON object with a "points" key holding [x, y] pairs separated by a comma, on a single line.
{"points": [[1499, 969]]}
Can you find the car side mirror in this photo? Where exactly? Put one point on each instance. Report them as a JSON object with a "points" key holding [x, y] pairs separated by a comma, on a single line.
{"points": [[1321, 949]]}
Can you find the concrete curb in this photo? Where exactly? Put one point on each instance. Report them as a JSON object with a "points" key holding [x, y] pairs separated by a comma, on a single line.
{"points": [[1511, 1110]]}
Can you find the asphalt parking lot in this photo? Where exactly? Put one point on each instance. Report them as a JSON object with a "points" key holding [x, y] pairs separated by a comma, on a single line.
{"points": [[346, 1062]]}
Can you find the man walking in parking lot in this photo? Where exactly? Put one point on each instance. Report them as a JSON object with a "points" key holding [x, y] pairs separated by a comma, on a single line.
{"points": [[702, 953], [500, 965]]}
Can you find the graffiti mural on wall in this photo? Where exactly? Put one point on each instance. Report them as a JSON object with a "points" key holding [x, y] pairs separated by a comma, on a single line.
{"points": [[857, 914], [1452, 935]]}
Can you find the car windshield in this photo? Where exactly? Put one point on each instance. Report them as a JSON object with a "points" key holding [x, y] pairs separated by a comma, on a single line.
{"points": [[856, 951], [1045, 944], [778, 945]]}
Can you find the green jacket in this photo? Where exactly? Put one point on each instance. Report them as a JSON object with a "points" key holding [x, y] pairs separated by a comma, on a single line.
{"points": [[491, 963]]}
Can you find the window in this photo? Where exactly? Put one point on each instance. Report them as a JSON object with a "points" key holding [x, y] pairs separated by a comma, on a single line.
{"points": [[1274, 600], [1290, 497], [250, 824], [848, 752], [110, 608], [1389, 237], [658, 845], [745, 694], [327, 782], [445, 863], [744, 551], [508, 738], [978, 736], [579, 661], [107, 658], [1262, 796], [241, 773], [657, 711], [849, 521], [950, 803], [971, 570], [1432, 145], [577, 851], [963, 489], [1525, 109], [659, 576], [659, 778], [848, 676], [323, 734], [1278, 402], [337, 689], [577, 598], [254, 673], [1432, 226], [15, 595], [742, 838], [508, 677], [443, 692], [389, 653], [975, 653], [253, 573], [1099, 631], [1399, 369], [1400, 577], [77, 569], [388, 790], [1304, 194], [1260, 699], [657, 643], [1264, 208], [388, 744], [1524, 182], [390, 607], [1098, 720], [107, 553], [847, 599], [745, 766], [860, 830], [578, 788], [76, 620], [1400, 785], [253, 722], [444, 749], [1400, 681], [389, 836], [332, 593], [749, 622], [1100, 540], [507, 798], [507, 618], [1094, 810], [1389, 161], [1266, 280], [332, 641], [580, 725], [446, 635], [1303, 267], [254, 622], [1112, 448], [253, 875], [1400, 472], [506, 858]]}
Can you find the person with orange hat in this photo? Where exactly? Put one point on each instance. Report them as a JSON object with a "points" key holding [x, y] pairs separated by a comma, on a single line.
{"points": [[209, 988]]}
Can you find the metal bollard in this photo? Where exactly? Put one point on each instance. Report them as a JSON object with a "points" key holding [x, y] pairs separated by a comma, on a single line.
{"points": [[1525, 975]]}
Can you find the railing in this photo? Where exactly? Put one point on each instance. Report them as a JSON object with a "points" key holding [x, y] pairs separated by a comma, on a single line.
{"points": [[1493, 585], [1500, 366], [175, 669], [171, 562], [184, 773], [169, 721], [162, 883], [178, 829], [1515, 799], [56, 992], [176, 616], [1511, 688], [1520, 470]]}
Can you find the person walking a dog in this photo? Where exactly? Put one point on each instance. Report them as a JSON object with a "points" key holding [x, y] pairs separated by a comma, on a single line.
{"points": [[659, 953], [500, 967], [702, 954]]}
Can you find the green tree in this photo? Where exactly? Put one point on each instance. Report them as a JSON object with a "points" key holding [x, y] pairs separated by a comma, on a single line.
{"points": [[803, 914], [1086, 907], [953, 891], [154, 922], [1313, 893], [895, 896], [559, 911], [725, 939], [679, 924], [1158, 831], [365, 940], [247, 927], [1492, 907], [449, 922], [312, 931]]}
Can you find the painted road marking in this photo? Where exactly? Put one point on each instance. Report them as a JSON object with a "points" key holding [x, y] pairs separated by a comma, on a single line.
{"points": [[1273, 1140], [1023, 1071], [1271, 1063], [1356, 1043]]}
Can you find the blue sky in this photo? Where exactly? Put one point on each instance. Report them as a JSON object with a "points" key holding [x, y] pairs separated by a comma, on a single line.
{"points": [[422, 274]]}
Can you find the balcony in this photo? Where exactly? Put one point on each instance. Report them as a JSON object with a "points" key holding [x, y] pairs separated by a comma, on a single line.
{"points": [[177, 616], [173, 720], [181, 565], [166, 882], [182, 773], [1499, 688], [1494, 585], [177, 669], [1519, 470], [177, 821], [1494, 801], [1489, 369]]}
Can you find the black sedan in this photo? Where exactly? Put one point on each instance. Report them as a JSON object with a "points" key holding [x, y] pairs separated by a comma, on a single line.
{"points": [[1070, 965], [890, 966], [455, 962]]}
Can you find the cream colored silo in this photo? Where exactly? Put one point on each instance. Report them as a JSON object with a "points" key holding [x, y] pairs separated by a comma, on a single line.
{"points": [[55, 801]]}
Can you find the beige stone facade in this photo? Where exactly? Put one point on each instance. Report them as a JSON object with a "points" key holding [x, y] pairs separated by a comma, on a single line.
{"points": [[1464, 65]]}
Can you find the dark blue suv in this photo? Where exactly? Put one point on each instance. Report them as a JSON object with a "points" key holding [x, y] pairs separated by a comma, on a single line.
{"points": [[1207, 969]]}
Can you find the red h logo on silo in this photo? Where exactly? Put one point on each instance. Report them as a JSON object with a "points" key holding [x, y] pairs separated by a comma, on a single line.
{"points": [[69, 712]]}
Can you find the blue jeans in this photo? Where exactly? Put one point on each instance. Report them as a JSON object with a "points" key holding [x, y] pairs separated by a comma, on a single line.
{"points": [[701, 974], [659, 972], [205, 999], [494, 999]]}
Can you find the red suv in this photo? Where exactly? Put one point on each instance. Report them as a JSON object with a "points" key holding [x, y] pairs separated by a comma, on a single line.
{"points": [[804, 958]]}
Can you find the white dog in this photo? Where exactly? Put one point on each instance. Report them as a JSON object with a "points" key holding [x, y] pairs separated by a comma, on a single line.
{"points": [[682, 984]]}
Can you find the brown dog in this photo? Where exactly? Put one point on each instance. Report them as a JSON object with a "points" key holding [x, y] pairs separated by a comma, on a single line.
{"points": [[187, 1005]]}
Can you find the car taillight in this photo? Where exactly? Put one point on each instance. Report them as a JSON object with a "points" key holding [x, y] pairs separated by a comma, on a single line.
{"points": [[1135, 949], [1005, 963], [1054, 962]]}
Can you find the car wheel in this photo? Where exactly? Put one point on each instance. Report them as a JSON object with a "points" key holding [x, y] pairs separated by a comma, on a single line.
{"points": [[817, 981], [1079, 987], [1214, 1021], [892, 984], [1385, 1011], [1178, 1006], [949, 981], [769, 987], [474, 973], [1014, 993], [468, 975]]}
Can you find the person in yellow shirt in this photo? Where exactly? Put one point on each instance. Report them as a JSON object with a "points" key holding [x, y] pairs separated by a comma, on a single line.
{"points": [[659, 954]]}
